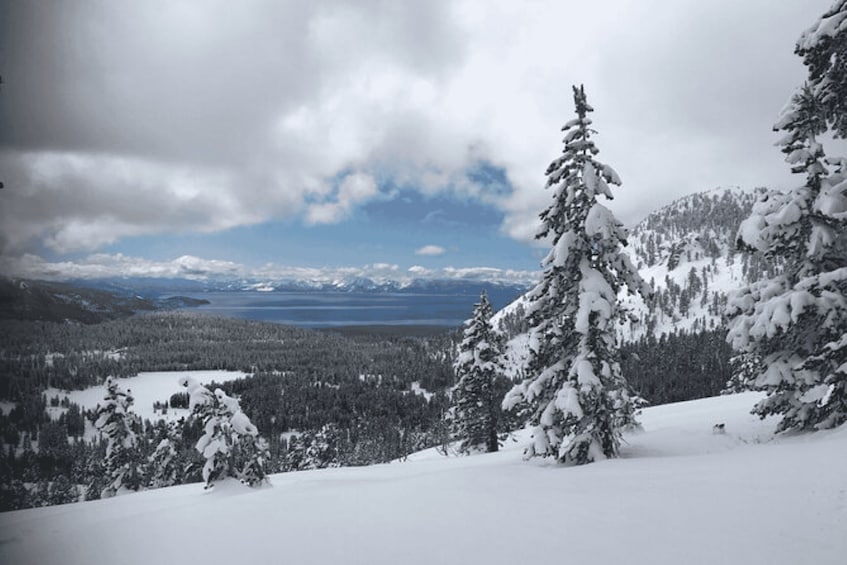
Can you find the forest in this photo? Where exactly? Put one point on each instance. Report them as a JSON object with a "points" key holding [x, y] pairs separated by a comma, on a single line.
{"points": [[320, 398]]}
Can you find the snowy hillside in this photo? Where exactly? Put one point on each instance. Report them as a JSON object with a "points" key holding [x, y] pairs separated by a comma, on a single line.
{"points": [[679, 494], [686, 251]]}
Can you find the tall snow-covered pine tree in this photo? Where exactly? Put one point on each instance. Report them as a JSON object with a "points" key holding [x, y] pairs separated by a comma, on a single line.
{"points": [[796, 322], [577, 397], [475, 410]]}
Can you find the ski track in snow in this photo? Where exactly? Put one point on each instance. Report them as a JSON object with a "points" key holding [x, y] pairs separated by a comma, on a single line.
{"points": [[679, 494]]}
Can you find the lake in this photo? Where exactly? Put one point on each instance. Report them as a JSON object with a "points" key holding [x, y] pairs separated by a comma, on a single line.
{"points": [[336, 309]]}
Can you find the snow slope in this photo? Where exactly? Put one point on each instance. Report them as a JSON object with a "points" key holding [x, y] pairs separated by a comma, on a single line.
{"points": [[680, 494]]}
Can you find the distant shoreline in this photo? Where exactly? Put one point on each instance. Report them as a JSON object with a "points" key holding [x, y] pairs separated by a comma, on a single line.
{"points": [[389, 330], [373, 314]]}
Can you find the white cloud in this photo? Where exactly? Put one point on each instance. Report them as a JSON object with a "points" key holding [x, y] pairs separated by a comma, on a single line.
{"points": [[102, 265], [430, 250], [384, 267], [78, 201], [355, 189], [234, 114]]}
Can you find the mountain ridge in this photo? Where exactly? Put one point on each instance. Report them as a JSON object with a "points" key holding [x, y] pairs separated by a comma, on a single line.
{"points": [[65, 301]]}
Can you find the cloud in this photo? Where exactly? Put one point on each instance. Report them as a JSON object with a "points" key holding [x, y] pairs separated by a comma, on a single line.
{"points": [[355, 189], [430, 250], [434, 217], [103, 265], [160, 117], [201, 116], [384, 267], [76, 201]]}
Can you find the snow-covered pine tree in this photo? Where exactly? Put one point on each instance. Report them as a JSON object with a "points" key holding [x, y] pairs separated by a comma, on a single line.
{"points": [[250, 454], [823, 48], [744, 369], [115, 420], [796, 322], [577, 397], [322, 451], [230, 442], [475, 410], [164, 463]]}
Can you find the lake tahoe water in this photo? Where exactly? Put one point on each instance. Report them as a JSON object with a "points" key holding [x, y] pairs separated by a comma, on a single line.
{"points": [[336, 309]]}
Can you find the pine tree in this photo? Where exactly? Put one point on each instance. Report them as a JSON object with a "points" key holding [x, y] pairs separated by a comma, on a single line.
{"points": [[794, 324], [475, 411], [116, 420], [230, 442], [744, 370], [322, 449], [165, 461], [823, 48], [295, 455], [62, 491], [577, 397]]}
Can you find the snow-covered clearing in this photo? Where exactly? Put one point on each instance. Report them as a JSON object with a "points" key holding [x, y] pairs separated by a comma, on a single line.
{"points": [[6, 406], [421, 391], [680, 494], [147, 388]]}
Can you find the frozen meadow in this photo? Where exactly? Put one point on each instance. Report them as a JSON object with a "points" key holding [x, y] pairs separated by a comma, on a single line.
{"points": [[680, 494], [146, 389]]}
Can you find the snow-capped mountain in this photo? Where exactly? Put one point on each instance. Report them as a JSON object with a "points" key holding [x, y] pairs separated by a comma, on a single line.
{"points": [[686, 251], [701, 224], [353, 284], [196, 273]]}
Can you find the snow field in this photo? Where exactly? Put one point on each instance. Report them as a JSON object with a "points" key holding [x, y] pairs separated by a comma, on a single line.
{"points": [[146, 388], [679, 494]]}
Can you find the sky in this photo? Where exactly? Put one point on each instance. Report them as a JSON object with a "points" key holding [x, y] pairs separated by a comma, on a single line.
{"points": [[367, 135]]}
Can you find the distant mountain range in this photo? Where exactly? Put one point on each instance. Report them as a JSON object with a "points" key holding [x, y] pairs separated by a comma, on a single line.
{"points": [[156, 287], [685, 249]]}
